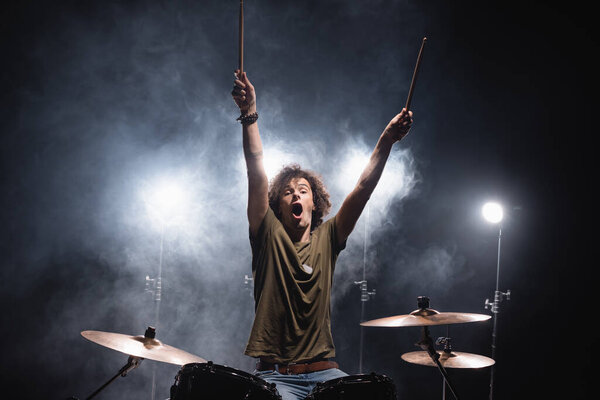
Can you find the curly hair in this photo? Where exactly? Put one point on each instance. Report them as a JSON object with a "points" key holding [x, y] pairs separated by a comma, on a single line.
{"points": [[320, 194]]}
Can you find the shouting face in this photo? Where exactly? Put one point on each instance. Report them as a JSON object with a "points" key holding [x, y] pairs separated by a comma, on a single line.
{"points": [[296, 206]]}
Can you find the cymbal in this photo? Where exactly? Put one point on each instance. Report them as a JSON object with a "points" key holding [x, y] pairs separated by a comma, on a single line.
{"points": [[426, 317], [143, 347], [453, 359]]}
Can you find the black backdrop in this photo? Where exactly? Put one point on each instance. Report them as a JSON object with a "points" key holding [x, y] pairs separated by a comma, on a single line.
{"points": [[100, 96]]}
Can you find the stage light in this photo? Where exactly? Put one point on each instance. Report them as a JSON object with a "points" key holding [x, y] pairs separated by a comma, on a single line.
{"points": [[166, 201], [492, 212], [275, 160], [396, 181], [352, 168]]}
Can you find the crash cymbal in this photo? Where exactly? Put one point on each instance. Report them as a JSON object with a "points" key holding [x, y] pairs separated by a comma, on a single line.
{"points": [[142, 346], [453, 359], [426, 317]]}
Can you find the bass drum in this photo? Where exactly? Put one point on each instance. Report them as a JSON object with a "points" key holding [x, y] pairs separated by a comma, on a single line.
{"points": [[199, 381], [355, 387]]}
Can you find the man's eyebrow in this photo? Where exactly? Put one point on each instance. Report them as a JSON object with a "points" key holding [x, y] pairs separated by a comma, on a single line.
{"points": [[290, 186]]}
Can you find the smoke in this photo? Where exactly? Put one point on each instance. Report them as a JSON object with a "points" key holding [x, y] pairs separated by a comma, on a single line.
{"points": [[124, 98]]}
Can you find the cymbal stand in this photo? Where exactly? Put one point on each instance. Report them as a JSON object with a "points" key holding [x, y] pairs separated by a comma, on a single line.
{"points": [[132, 363], [426, 343], [494, 307], [447, 349]]}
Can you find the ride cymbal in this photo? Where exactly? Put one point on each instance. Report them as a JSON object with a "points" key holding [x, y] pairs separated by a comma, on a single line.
{"points": [[426, 317], [143, 347], [453, 359]]}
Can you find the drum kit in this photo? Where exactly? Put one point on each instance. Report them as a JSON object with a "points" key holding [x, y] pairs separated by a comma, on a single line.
{"points": [[200, 379]]}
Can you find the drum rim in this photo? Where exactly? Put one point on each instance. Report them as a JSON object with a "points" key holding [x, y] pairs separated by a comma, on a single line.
{"points": [[254, 382], [354, 379]]}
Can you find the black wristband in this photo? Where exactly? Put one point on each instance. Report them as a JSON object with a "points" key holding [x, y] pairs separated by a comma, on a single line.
{"points": [[248, 119]]}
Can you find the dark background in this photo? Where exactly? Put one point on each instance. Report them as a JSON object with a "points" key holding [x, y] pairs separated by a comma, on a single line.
{"points": [[102, 99]]}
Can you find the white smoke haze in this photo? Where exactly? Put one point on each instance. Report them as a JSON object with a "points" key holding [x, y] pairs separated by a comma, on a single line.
{"points": [[131, 98]]}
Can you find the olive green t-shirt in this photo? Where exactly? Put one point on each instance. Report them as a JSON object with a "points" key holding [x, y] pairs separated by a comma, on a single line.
{"points": [[292, 290]]}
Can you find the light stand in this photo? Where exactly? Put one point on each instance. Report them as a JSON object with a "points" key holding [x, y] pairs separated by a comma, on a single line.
{"points": [[154, 287], [365, 295], [494, 306], [166, 202]]}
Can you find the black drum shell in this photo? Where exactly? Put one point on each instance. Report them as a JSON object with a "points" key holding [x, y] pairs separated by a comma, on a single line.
{"points": [[199, 381], [355, 387]]}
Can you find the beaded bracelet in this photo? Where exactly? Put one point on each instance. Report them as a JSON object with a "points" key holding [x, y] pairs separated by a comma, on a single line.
{"points": [[248, 119]]}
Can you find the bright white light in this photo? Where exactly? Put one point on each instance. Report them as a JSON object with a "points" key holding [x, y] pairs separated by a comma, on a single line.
{"points": [[492, 212], [166, 201], [352, 168], [396, 180], [275, 159]]}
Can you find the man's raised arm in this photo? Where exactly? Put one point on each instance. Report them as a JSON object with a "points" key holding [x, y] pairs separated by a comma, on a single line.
{"points": [[355, 202], [258, 186]]}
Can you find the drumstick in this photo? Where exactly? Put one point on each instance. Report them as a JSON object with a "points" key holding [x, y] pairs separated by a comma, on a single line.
{"points": [[241, 38], [414, 77]]}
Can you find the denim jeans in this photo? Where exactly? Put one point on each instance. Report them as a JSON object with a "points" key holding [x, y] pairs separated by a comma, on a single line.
{"points": [[297, 387]]}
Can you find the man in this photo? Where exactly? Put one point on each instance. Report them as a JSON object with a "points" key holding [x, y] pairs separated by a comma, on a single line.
{"points": [[294, 254]]}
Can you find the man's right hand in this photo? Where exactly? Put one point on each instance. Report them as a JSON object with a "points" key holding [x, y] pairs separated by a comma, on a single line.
{"points": [[243, 93]]}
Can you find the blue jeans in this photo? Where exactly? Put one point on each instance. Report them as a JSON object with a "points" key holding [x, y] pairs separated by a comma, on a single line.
{"points": [[297, 387]]}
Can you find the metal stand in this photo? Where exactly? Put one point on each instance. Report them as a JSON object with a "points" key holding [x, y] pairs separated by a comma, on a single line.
{"points": [[249, 285], [132, 363], [495, 309], [365, 295], [426, 343], [447, 349], [154, 287]]}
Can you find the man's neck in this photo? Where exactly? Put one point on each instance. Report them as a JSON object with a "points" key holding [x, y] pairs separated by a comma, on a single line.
{"points": [[298, 235]]}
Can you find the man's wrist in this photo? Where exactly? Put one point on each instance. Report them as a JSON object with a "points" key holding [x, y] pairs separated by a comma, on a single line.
{"points": [[388, 138], [248, 119], [250, 110]]}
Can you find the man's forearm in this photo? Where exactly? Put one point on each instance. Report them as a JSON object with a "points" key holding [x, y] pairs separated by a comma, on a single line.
{"points": [[253, 149], [372, 173]]}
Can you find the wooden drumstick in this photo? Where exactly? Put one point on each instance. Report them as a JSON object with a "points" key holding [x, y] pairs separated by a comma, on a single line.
{"points": [[414, 77], [241, 39]]}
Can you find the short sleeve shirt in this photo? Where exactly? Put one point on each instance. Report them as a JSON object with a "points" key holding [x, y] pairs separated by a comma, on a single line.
{"points": [[292, 291]]}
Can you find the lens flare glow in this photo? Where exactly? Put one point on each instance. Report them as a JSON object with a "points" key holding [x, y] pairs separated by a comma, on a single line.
{"points": [[167, 201], [397, 178], [492, 212]]}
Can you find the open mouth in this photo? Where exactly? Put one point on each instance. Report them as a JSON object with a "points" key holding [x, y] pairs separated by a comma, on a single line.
{"points": [[297, 210]]}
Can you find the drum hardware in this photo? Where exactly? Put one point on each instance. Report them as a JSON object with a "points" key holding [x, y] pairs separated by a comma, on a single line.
{"points": [[132, 363], [208, 380], [138, 348], [142, 346], [448, 359], [425, 316], [355, 387], [452, 359], [426, 343]]}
